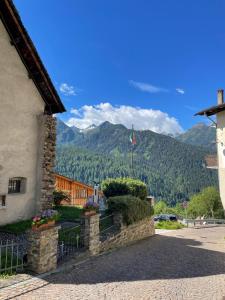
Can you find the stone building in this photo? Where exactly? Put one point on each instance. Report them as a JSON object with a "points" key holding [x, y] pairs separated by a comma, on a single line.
{"points": [[219, 111], [28, 101]]}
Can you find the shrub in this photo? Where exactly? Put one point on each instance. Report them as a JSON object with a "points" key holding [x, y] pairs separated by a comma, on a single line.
{"points": [[124, 186], [132, 208], [169, 225]]}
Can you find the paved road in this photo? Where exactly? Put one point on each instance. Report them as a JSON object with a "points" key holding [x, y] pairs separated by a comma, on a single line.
{"points": [[183, 264]]}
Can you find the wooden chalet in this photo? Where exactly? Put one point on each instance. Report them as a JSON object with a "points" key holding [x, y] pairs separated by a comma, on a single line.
{"points": [[78, 191]]}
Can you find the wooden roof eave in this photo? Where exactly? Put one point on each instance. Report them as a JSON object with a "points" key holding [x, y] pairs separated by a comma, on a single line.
{"points": [[74, 181], [211, 110]]}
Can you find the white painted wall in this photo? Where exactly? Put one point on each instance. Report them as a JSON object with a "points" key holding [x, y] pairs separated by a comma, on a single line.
{"points": [[221, 153], [20, 104]]}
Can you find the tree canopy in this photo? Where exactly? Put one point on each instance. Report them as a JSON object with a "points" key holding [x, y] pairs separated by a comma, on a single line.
{"points": [[207, 204]]}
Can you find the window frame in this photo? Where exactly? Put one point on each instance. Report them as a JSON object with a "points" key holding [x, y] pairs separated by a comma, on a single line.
{"points": [[17, 182], [2, 200]]}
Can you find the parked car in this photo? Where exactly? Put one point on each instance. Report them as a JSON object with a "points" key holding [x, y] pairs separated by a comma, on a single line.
{"points": [[165, 217]]}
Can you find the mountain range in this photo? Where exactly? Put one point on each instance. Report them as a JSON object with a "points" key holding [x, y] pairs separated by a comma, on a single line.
{"points": [[172, 168], [200, 135]]}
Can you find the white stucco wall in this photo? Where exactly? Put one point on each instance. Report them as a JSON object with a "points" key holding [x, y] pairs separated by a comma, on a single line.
{"points": [[20, 104], [221, 153]]}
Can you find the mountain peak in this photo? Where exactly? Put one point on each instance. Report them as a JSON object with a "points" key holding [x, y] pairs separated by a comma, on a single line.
{"points": [[90, 127], [108, 124], [199, 135], [105, 124], [199, 125]]}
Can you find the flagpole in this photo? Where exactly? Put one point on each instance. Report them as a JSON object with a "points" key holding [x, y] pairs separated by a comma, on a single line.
{"points": [[132, 153], [132, 160]]}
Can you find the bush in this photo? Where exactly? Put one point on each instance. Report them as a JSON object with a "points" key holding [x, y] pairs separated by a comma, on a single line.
{"points": [[169, 225], [161, 208], [132, 208], [124, 186]]}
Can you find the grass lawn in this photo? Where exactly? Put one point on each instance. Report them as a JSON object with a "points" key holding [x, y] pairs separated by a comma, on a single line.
{"points": [[17, 228], [5, 276], [66, 214], [69, 213], [70, 235], [168, 225]]}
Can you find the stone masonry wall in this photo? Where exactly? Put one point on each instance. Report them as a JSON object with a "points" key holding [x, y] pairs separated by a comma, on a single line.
{"points": [[134, 232], [42, 250], [46, 162]]}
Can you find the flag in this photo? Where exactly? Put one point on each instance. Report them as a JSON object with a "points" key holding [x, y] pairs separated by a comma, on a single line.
{"points": [[132, 137]]}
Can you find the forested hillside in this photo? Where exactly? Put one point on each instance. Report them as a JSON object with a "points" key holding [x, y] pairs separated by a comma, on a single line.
{"points": [[172, 170]]}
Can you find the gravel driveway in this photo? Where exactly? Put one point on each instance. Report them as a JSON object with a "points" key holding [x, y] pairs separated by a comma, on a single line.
{"points": [[182, 264]]}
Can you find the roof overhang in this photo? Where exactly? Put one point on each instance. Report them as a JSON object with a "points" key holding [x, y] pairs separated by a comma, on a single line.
{"points": [[73, 180], [29, 56], [211, 110]]}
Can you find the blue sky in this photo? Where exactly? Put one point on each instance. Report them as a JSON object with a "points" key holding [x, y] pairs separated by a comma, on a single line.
{"points": [[153, 63]]}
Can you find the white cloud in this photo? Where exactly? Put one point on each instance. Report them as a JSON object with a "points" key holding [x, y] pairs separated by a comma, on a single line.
{"points": [[180, 91], [142, 119], [146, 87], [67, 90], [192, 108]]}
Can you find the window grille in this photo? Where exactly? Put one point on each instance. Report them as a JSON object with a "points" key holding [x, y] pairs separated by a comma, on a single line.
{"points": [[16, 185]]}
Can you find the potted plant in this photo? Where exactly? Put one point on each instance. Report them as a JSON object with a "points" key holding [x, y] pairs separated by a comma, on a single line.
{"points": [[45, 220], [60, 196], [90, 208]]}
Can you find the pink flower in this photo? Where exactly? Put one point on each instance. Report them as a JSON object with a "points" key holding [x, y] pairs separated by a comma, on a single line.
{"points": [[36, 219]]}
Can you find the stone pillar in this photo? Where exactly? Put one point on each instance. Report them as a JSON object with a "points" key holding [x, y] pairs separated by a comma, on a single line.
{"points": [[90, 233], [46, 162], [42, 250], [118, 220]]}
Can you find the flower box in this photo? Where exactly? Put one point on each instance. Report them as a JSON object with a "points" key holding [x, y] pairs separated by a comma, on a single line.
{"points": [[43, 226], [90, 208], [45, 220]]}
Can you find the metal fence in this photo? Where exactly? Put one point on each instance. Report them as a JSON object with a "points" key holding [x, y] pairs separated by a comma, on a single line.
{"points": [[204, 222], [70, 241], [13, 257], [106, 227]]}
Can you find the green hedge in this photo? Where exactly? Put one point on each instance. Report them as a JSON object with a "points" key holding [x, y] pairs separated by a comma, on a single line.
{"points": [[124, 186], [169, 225], [132, 208]]}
